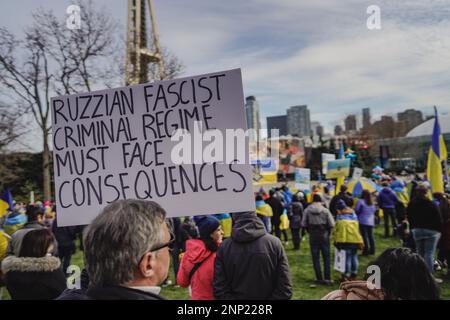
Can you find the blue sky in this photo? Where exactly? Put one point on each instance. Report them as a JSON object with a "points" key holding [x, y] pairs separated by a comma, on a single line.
{"points": [[291, 52]]}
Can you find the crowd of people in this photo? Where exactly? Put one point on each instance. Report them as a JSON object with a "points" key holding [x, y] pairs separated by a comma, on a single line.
{"points": [[410, 212], [130, 245]]}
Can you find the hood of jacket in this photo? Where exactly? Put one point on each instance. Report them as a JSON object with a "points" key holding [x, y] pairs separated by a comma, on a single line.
{"points": [[196, 251], [247, 227], [315, 209], [33, 225], [30, 264]]}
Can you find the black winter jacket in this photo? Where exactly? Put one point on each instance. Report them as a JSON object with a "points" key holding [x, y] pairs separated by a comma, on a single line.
{"points": [[64, 235], [277, 208], [33, 278], [295, 215], [424, 214], [252, 264]]}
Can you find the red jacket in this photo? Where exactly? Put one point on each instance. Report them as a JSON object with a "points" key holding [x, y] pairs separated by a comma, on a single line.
{"points": [[202, 279]]}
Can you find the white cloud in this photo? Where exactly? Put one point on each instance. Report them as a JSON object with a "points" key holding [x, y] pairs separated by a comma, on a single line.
{"points": [[318, 53], [343, 67]]}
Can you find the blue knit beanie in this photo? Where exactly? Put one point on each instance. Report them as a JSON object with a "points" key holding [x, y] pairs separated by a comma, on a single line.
{"points": [[206, 225]]}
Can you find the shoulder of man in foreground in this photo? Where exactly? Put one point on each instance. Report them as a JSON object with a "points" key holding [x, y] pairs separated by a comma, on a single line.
{"points": [[73, 294], [109, 293]]}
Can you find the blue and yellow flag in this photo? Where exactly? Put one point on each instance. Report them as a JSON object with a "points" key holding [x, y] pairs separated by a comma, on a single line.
{"points": [[6, 202], [226, 223], [340, 181], [437, 154]]}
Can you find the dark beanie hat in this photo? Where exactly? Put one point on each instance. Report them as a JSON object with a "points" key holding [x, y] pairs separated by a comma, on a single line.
{"points": [[206, 225], [340, 204]]}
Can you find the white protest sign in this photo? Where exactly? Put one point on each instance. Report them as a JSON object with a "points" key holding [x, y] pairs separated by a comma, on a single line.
{"points": [[325, 158], [339, 260], [357, 173], [121, 144], [303, 178]]}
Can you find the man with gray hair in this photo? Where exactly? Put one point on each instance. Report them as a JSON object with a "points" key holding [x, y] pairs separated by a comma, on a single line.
{"points": [[126, 252]]}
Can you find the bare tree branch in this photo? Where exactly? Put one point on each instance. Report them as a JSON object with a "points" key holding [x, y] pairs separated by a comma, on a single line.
{"points": [[55, 60], [11, 126]]}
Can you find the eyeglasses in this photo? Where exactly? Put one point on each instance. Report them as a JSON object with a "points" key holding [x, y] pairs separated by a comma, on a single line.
{"points": [[167, 244], [162, 246]]}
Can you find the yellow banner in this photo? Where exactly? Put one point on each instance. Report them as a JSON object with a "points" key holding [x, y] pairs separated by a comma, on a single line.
{"points": [[265, 178]]}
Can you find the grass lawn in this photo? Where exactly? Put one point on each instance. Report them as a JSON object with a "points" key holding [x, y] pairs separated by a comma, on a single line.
{"points": [[301, 270]]}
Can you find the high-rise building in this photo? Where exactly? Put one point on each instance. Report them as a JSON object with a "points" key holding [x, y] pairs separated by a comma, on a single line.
{"points": [[277, 122], [401, 128], [314, 126], [366, 118], [411, 117], [252, 113], [350, 123], [320, 131], [298, 121], [383, 128], [338, 131]]}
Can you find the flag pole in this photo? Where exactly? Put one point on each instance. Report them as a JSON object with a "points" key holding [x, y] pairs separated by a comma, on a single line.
{"points": [[446, 174], [446, 158]]}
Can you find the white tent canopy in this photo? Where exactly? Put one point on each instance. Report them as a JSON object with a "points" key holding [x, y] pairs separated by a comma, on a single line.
{"points": [[426, 128]]}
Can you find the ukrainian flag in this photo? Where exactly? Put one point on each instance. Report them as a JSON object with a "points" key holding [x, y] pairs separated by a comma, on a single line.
{"points": [[226, 223], [437, 154], [340, 181], [6, 202]]}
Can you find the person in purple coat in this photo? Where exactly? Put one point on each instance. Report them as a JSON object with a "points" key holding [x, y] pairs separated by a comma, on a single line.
{"points": [[387, 200], [365, 210]]}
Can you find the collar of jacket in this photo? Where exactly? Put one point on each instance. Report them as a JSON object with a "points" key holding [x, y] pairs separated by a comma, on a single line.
{"points": [[30, 264], [149, 289], [120, 293], [33, 225]]}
